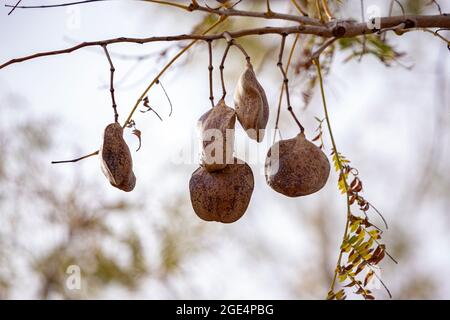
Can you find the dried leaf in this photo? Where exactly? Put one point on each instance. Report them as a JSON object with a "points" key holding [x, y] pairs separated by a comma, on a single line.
{"points": [[368, 277], [137, 133]]}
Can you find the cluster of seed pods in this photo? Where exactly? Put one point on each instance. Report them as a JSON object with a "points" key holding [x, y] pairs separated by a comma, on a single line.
{"points": [[221, 188]]}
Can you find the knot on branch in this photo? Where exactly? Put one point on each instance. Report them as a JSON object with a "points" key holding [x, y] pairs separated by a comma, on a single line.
{"points": [[409, 24], [339, 31], [193, 6]]}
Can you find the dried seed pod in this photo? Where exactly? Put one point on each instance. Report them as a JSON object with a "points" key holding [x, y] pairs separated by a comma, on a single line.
{"points": [[217, 137], [223, 195], [251, 104], [115, 159], [296, 167]]}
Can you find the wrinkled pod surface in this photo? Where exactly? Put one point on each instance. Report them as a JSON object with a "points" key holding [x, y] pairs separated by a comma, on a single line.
{"points": [[223, 195], [252, 108], [216, 128], [115, 159], [296, 167]]}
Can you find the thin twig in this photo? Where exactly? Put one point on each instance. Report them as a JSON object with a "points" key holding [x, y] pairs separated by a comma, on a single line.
{"points": [[111, 86], [319, 11], [401, 6], [380, 214], [322, 48], [74, 3], [437, 5], [167, 96], [149, 108], [230, 42], [237, 45], [77, 159], [299, 8], [435, 33], [221, 67], [57, 5], [218, 11], [327, 10], [391, 10], [333, 143], [286, 82], [269, 11], [210, 71], [280, 98], [14, 7]]}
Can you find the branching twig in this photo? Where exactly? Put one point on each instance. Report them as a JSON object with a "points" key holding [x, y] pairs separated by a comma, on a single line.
{"points": [[111, 85], [14, 7], [344, 29], [286, 83], [167, 66], [154, 81], [230, 12], [74, 3], [230, 42]]}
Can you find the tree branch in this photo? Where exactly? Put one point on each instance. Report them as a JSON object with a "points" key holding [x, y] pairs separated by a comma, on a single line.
{"points": [[338, 29], [264, 15], [227, 12], [111, 85]]}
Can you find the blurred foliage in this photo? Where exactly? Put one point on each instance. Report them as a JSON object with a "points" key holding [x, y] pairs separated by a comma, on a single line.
{"points": [[84, 222], [77, 217]]}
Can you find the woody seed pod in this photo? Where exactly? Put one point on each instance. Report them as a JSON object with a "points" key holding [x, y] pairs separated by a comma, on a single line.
{"points": [[251, 104], [223, 195], [115, 159], [296, 167], [217, 137]]}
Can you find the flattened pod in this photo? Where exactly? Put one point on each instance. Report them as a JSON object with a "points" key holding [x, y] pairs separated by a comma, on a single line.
{"points": [[224, 195], [217, 137], [296, 167], [115, 159], [251, 104]]}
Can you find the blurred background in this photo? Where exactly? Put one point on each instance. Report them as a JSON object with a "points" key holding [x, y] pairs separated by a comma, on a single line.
{"points": [[391, 118]]}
